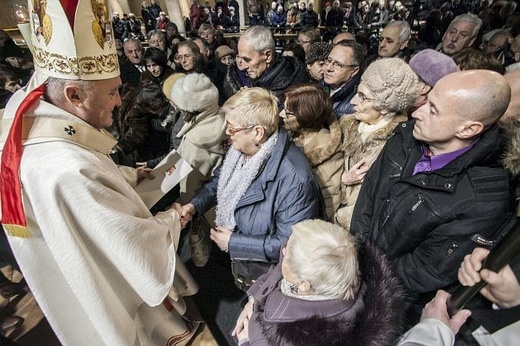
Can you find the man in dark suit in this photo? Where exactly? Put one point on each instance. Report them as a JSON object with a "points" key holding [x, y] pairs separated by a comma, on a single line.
{"points": [[132, 68]]}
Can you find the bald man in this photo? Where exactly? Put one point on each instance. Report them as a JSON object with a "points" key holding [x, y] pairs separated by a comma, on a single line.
{"points": [[437, 190]]}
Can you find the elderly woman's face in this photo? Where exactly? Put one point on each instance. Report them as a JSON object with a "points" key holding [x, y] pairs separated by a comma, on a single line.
{"points": [[187, 59], [364, 109], [289, 118], [317, 69], [242, 137], [227, 59], [287, 274]]}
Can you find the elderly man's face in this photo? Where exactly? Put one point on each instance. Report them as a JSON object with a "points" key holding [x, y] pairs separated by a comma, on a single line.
{"points": [[158, 41], [252, 62], [339, 67], [98, 101], [458, 36], [133, 52], [389, 43], [495, 43]]}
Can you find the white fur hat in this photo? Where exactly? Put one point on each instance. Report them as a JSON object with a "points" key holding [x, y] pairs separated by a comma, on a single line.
{"points": [[194, 92]]}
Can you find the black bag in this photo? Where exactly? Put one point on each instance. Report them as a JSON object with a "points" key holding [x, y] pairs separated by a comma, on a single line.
{"points": [[246, 272]]}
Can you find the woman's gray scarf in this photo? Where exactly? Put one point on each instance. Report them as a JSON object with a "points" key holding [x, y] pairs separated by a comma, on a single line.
{"points": [[236, 176]]}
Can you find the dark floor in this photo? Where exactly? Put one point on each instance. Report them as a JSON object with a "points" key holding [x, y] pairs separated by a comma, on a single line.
{"points": [[218, 300]]}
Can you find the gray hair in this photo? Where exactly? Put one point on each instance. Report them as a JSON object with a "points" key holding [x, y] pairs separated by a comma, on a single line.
{"points": [[133, 40], [404, 29], [325, 255], [54, 88], [469, 17], [155, 32], [260, 37]]}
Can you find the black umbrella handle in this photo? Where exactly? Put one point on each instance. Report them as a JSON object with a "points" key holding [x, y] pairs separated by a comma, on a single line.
{"points": [[506, 250]]}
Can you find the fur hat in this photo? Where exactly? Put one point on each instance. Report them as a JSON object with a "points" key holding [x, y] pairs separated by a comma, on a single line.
{"points": [[431, 65], [194, 92], [393, 84], [168, 84], [317, 51], [222, 51]]}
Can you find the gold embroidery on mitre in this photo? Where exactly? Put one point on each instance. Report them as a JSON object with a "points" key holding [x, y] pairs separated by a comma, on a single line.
{"points": [[86, 65], [41, 21]]}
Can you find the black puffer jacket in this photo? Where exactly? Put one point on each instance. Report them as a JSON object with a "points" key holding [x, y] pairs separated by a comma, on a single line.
{"points": [[428, 222], [284, 72]]}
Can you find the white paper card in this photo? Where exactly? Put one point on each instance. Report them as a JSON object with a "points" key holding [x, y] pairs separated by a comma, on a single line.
{"points": [[168, 173]]}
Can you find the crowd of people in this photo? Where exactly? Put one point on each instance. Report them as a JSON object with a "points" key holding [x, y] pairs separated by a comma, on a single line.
{"points": [[349, 181]]}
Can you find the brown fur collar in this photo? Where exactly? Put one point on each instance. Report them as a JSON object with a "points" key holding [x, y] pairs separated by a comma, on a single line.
{"points": [[511, 158], [353, 143], [324, 144]]}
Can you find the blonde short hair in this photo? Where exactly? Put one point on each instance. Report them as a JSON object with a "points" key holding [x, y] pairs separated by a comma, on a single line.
{"points": [[325, 255], [253, 106]]}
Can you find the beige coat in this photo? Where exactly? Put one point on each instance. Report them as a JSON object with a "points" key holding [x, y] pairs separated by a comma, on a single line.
{"points": [[354, 150], [323, 150], [201, 147]]}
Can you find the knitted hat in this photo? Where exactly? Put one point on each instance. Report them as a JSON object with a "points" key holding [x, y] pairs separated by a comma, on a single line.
{"points": [[168, 84], [393, 84], [317, 51], [222, 51], [431, 65], [194, 92]]}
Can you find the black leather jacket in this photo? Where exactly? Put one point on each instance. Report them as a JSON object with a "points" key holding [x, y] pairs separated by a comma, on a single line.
{"points": [[284, 72], [428, 222]]}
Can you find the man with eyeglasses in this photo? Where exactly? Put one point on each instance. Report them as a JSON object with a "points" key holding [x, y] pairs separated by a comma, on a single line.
{"points": [[461, 33], [342, 73]]}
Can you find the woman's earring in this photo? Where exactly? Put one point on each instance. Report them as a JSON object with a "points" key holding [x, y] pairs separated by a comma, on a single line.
{"points": [[256, 144], [293, 288]]}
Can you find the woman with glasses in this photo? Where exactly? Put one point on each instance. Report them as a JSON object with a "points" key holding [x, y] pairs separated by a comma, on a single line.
{"points": [[189, 58], [328, 289], [264, 186], [386, 91], [308, 116]]}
